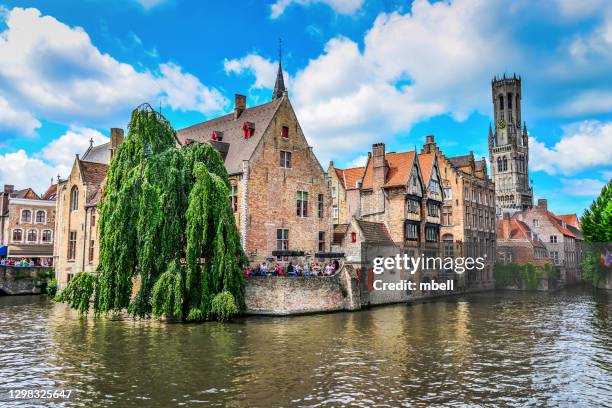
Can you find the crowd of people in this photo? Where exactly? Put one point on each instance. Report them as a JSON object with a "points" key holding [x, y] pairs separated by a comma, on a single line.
{"points": [[25, 262], [267, 268]]}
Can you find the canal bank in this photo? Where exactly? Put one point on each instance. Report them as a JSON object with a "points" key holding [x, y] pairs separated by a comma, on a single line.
{"points": [[495, 349]]}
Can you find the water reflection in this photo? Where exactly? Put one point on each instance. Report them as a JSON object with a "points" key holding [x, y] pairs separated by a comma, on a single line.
{"points": [[512, 349]]}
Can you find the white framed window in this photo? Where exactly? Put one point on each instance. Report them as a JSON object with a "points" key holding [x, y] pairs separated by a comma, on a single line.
{"points": [[334, 192], [335, 212], [46, 237], [41, 216], [74, 198], [26, 216], [32, 235], [17, 235], [448, 193]]}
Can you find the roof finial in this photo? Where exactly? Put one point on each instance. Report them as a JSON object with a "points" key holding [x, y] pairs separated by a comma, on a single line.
{"points": [[279, 86], [91, 142]]}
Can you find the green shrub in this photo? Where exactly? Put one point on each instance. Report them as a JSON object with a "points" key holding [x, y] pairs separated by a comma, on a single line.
{"points": [[52, 287], [224, 306], [79, 291]]}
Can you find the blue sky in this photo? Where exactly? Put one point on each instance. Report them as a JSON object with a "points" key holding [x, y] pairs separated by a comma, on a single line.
{"points": [[358, 72]]}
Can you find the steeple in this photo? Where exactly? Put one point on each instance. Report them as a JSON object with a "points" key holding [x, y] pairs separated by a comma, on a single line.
{"points": [[279, 85]]}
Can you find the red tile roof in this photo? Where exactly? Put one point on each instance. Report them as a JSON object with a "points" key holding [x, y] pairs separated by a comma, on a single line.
{"points": [[426, 162], [516, 229], [557, 223], [399, 164], [570, 219], [349, 177], [50, 193]]}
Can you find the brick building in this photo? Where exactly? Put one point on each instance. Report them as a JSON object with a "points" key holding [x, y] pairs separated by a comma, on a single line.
{"points": [[517, 243], [77, 245], [468, 212], [27, 224], [279, 191], [563, 240]]}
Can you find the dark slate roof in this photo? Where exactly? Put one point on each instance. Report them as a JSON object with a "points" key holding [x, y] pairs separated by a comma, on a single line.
{"points": [[460, 161], [93, 173], [25, 193], [239, 148], [374, 231], [98, 154]]}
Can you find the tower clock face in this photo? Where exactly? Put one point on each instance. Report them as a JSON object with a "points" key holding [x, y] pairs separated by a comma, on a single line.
{"points": [[501, 123]]}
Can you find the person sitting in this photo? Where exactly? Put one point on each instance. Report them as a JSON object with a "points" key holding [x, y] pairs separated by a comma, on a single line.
{"points": [[291, 270], [2, 262], [263, 269], [18, 263], [279, 270]]}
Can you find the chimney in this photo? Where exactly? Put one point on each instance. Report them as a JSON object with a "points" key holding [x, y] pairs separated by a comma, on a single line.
{"points": [[542, 204], [116, 138], [239, 105], [9, 188], [429, 139], [379, 165]]}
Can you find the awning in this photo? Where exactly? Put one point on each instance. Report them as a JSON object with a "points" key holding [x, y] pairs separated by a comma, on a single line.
{"points": [[31, 251], [3, 250], [287, 253], [329, 255]]}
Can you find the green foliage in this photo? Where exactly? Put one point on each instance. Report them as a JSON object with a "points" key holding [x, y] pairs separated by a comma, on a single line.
{"points": [[165, 219], [589, 270], [43, 273], [223, 306], [526, 276], [79, 291], [597, 220], [52, 287]]}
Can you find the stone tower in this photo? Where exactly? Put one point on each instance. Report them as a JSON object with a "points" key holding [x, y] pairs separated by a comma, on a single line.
{"points": [[509, 147]]}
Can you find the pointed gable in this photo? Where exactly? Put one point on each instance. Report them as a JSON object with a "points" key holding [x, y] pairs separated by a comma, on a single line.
{"points": [[349, 177], [426, 161], [400, 167]]}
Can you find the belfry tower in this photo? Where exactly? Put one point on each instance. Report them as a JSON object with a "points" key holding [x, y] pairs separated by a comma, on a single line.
{"points": [[509, 147]]}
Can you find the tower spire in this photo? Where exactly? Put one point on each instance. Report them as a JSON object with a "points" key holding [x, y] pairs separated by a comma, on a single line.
{"points": [[279, 85]]}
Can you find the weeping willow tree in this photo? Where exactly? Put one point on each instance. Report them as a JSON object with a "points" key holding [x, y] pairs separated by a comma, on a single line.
{"points": [[165, 222]]}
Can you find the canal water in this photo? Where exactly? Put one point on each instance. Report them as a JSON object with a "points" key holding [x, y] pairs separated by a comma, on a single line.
{"points": [[491, 349]]}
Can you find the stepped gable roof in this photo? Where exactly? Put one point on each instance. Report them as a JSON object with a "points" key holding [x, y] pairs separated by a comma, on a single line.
{"points": [[98, 154], [92, 172], [51, 192], [426, 161], [348, 177], [400, 165], [374, 232], [240, 148]]}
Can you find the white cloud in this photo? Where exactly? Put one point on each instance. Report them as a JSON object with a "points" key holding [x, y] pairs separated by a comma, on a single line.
{"points": [[584, 145], [582, 187], [61, 76], [588, 102], [358, 161], [263, 69], [12, 120], [339, 6], [23, 170]]}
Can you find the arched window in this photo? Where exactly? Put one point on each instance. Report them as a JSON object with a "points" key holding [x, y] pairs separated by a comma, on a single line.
{"points": [[509, 101], [17, 235], [74, 198], [499, 164], [501, 102], [32, 235], [46, 236], [41, 216], [26, 216], [505, 163]]}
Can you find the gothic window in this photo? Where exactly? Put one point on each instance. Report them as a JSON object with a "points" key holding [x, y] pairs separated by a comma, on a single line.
{"points": [[499, 164], [26, 216], [501, 102], [509, 101], [285, 132], [505, 163], [40, 217], [74, 198], [72, 246]]}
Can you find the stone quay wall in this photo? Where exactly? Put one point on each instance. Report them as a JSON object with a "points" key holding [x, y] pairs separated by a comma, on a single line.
{"points": [[284, 295], [23, 281]]}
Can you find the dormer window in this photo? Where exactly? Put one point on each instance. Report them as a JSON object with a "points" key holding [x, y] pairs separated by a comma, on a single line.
{"points": [[249, 129], [285, 132]]}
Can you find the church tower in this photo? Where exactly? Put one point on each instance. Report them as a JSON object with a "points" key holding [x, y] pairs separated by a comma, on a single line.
{"points": [[509, 147]]}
